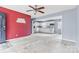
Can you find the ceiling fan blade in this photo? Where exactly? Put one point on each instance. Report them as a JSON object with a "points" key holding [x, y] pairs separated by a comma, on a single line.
{"points": [[29, 10], [31, 7], [41, 8], [41, 11]]}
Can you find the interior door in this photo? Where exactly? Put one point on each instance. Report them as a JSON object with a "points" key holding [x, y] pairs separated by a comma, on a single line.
{"points": [[2, 28]]}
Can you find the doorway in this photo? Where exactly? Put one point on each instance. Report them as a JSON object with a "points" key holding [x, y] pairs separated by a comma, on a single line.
{"points": [[2, 28], [51, 26]]}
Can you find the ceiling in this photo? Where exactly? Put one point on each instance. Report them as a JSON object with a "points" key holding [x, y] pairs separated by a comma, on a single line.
{"points": [[48, 9]]}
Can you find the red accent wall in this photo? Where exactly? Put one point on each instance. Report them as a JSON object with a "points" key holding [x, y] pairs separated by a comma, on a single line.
{"points": [[14, 29]]}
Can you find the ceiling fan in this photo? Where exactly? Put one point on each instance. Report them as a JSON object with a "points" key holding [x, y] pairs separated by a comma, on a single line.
{"points": [[36, 9]]}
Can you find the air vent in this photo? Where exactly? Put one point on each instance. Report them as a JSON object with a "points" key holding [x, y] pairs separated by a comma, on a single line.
{"points": [[21, 20]]}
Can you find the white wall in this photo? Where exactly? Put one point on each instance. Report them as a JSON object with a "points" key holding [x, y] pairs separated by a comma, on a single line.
{"points": [[69, 23], [77, 25]]}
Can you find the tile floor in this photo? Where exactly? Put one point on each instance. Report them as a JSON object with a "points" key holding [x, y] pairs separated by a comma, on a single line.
{"points": [[37, 43]]}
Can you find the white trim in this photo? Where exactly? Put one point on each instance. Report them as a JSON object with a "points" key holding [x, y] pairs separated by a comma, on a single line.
{"points": [[49, 18], [70, 40], [19, 38]]}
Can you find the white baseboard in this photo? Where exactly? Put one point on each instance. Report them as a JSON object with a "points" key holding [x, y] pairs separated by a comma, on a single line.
{"points": [[70, 40], [20, 38]]}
